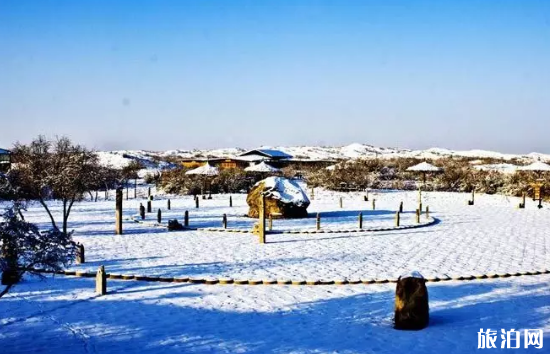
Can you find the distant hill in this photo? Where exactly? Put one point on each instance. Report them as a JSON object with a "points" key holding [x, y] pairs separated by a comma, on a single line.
{"points": [[165, 159]]}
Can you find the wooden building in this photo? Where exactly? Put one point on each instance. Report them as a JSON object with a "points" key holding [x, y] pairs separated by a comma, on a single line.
{"points": [[5, 160]]}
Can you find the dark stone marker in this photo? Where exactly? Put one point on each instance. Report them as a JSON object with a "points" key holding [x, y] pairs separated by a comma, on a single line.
{"points": [[149, 206], [197, 202], [142, 211], [186, 219], [159, 216], [412, 311]]}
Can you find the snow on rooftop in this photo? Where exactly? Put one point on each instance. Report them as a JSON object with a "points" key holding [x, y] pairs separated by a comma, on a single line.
{"points": [[262, 167]]}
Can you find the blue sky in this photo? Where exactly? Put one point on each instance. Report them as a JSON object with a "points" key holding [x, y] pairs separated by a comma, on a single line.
{"points": [[202, 74]]}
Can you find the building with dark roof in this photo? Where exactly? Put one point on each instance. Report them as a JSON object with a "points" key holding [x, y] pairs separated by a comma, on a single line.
{"points": [[5, 160]]}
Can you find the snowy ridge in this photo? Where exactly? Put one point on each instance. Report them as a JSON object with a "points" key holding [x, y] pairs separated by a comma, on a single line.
{"points": [[353, 151]]}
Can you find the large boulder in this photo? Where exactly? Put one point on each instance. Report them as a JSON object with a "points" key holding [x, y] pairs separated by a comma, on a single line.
{"points": [[412, 310], [284, 198]]}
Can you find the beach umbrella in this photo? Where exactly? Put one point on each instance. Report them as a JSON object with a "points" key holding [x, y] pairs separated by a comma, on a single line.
{"points": [[424, 168], [204, 170], [207, 171]]}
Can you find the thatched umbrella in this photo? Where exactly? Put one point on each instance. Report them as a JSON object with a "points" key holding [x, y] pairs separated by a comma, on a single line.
{"points": [[207, 171], [263, 169], [424, 168], [538, 167]]}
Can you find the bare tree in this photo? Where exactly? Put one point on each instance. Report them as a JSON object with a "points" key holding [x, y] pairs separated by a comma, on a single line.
{"points": [[55, 169]]}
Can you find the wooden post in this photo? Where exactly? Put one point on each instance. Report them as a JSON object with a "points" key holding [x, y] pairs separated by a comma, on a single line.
{"points": [[360, 220], [186, 219], [401, 207], [149, 192], [80, 256], [142, 211], [374, 204], [427, 211], [197, 202], [230, 202], [312, 193], [473, 196], [417, 216], [118, 212], [270, 223], [149, 206], [341, 203], [101, 281], [135, 188], [224, 221], [420, 208], [159, 216], [397, 219], [366, 197], [318, 221], [261, 231], [169, 205]]}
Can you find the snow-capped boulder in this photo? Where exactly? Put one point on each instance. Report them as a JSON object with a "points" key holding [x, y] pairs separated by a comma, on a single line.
{"points": [[284, 198]]}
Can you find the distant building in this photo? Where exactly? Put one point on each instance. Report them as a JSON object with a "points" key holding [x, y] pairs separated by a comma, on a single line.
{"points": [[5, 160], [276, 158]]}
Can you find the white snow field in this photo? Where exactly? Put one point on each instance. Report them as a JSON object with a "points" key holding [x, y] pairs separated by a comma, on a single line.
{"points": [[63, 315]]}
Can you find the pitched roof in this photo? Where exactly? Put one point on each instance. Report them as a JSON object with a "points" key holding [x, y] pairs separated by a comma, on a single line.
{"points": [[4, 151], [268, 153]]}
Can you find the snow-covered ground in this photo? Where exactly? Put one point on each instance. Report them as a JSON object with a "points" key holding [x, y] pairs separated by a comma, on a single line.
{"points": [[63, 315]]}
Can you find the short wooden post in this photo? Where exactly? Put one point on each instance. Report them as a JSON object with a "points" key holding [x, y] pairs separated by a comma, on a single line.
{"points": [[80, 255], [101, 281], [159, 216], [417, 216], [360, 220], [374, 204], [261, 222], [522, 204], [224, 221], [149, 192], [197, 202], [135, 188], [149, 206], [230, 202], [397, 218], [341, 203], [312, 193], [270, 223], [118, 212], [142, 211], [401, 207], [420, 208], [169, 205], [186, 219], [427, 211], [473, 196], [318, 221]]}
